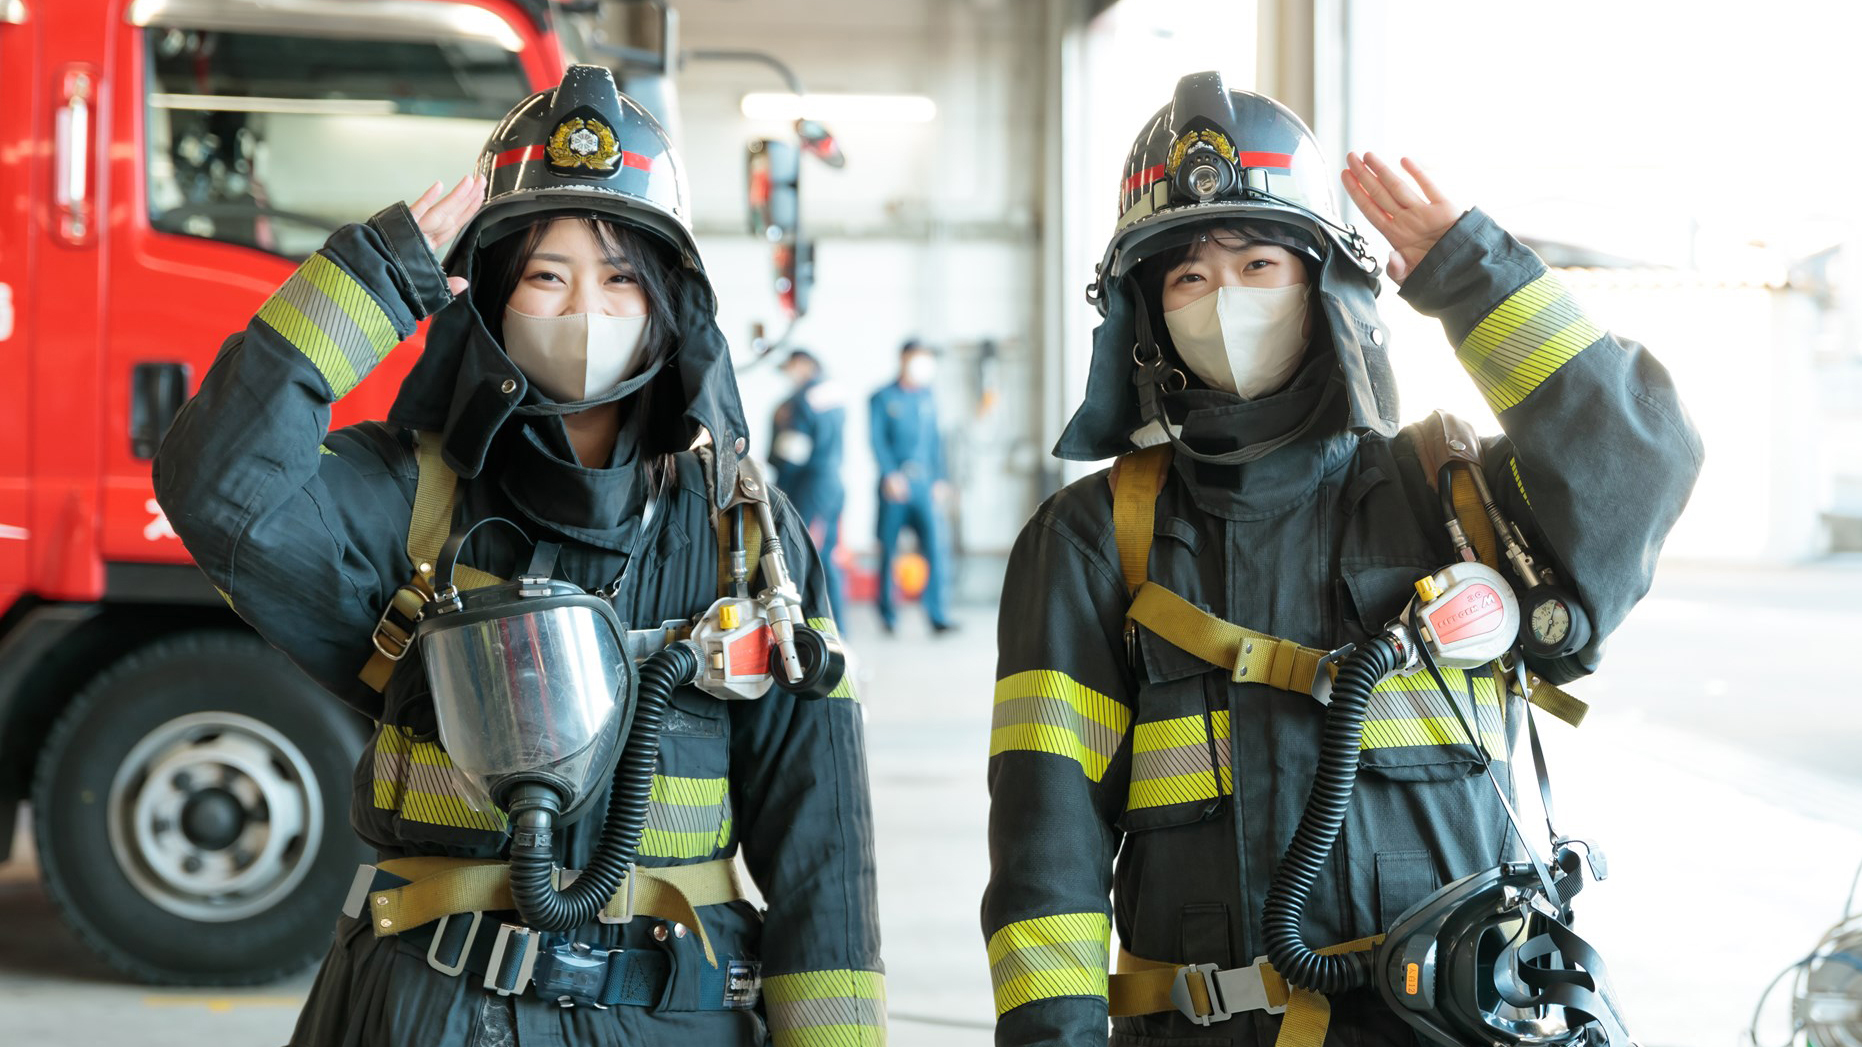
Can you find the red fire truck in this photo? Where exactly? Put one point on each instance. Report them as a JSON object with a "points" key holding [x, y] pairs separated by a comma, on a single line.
{"points": [[163, 166]]}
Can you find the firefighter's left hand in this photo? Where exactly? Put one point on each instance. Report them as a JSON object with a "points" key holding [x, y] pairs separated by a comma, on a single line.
{"points": [[441, 217], [1411, 217]]}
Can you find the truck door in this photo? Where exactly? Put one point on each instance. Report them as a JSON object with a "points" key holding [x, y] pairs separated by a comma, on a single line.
{"points": [[18, 48]]}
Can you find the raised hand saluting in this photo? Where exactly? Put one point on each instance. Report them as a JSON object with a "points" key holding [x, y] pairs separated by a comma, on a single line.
{"points": [[1411, 217]]}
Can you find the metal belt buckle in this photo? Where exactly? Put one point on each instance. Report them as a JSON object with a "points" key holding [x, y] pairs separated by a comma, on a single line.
{"points": [[458, 966], [743, 984], [1322, 675], [383, 624], [515, 955], [627, 908], [1180, 993], [359, 891]]}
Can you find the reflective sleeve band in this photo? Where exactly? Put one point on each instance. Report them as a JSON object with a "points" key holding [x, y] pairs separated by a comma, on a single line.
{"points": [[417, 780], [1527, 337], [1045, 711], [687, 818], [826, 1009], [844, 689], [1049, 957], [332, 320], [1171, 761]]}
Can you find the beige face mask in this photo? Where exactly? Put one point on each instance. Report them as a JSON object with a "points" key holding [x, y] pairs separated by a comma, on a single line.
{"points": [[574, 358], [1242, 340]]}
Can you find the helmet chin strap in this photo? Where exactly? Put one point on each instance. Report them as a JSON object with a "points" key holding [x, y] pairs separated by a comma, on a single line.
{"points": [[1152, 373]]}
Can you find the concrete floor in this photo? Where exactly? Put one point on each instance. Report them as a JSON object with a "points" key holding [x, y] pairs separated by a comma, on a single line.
{"points": [[1719, 767]]}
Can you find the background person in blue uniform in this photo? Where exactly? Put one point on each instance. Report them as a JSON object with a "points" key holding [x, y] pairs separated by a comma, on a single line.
{"points": [[911, 476], [805, 454]]}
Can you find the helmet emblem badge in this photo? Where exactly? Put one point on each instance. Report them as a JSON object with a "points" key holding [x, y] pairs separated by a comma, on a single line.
{"points": [[1213, 139], [583, 143]]}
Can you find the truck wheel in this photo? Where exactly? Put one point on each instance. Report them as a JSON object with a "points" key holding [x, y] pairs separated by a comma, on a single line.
{"points": [[191, 811]]}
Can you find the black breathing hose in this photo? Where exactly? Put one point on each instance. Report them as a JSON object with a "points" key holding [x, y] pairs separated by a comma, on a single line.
{"points": [[1332, 786], [533, 811]]}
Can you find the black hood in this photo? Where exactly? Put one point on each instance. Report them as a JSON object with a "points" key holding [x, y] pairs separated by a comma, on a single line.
{"points": [[1347, 313]]}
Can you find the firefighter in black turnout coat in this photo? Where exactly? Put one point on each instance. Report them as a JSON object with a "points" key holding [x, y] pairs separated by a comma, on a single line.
{"points": [[572, 366], [1241, 376]]}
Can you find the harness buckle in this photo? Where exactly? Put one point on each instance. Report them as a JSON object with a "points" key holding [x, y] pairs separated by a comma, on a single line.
{"points": [[626, 891], [1322, 674], [1229, 992], [359, 891], [397, 622], [513, 959], [459, 946]]}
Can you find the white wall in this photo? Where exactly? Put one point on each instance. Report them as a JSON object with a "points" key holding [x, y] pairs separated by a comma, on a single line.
{"points": [[929, 230]]}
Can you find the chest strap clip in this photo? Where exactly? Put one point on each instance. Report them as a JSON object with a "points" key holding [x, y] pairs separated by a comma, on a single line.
{"points": [[1206, 994]]}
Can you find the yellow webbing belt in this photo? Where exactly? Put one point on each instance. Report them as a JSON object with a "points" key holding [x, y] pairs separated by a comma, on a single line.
{"points": [[753, 545], [1250, 657], [1143, 986], [427, 530], [448, 886], [1473, 517], [1555, 700]]}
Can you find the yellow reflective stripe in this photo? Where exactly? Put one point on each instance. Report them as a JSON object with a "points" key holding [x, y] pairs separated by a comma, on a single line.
{"points": [[417, 780], [228, 597], [324, 449], [1045, 711], [842, 1008], [687, 817], [1049, 957], [1519, 483], [1170, 761], [1524, 340], [845, 688], [1410, 711], [333, 320], [310, 340], [354, 300]]}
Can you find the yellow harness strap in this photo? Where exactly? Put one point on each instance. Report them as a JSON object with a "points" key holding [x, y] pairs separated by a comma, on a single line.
{"points": [[1143, 986], [449, 886], [1251, 657], [427, 528], [1136, 480]]}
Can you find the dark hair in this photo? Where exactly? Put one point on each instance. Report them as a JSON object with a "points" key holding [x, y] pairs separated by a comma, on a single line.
{"points": [[802, 356], [653, 413], [912, 345]]}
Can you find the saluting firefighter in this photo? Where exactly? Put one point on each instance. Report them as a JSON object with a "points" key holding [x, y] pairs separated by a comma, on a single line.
{"points": [[1241, 376], [573, 363]]}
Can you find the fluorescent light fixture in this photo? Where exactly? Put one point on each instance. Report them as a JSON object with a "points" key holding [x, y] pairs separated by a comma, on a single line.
{"points": [[840, 108], [256, 104]]}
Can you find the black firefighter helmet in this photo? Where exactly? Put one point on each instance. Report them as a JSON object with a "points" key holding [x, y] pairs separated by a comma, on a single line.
{"points": [[1219, 155], [580, 149]]}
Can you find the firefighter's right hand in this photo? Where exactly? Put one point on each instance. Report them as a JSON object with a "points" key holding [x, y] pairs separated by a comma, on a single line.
{"points": [[441, 217]]}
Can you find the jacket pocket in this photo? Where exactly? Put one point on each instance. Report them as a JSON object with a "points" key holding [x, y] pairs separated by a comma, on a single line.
{"points": [[1180, 769], [1412, 732], [690, 816]]}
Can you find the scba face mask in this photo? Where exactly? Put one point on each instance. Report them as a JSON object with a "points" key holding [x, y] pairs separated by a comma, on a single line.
{"points": [[576, 357], [1242, 340]]}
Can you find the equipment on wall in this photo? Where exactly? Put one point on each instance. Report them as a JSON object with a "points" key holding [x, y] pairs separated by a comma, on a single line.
{"points": [[1826, 986]]}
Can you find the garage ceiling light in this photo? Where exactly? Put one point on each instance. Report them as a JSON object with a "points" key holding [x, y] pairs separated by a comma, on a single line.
{"points": [[839, 108]]}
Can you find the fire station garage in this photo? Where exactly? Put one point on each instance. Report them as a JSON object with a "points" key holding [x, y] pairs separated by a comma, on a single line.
{"points": [[1002, 521]]}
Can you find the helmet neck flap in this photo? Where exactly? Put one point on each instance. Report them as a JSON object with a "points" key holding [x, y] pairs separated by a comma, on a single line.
{"points": [[580, 149], [1214, 155]]}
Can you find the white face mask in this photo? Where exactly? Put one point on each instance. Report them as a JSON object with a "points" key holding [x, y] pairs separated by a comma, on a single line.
{"points": [[576, 357], [1242, 340]]}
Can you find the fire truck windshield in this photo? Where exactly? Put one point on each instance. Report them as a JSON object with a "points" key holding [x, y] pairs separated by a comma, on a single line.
{"points": [[273, 141]]}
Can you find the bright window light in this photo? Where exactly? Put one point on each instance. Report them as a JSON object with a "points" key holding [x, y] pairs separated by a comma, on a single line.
{"points": [[255, 104], [840, 108]]}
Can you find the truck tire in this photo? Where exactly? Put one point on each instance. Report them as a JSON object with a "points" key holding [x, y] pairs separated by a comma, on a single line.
{"points": [[191, 812]]}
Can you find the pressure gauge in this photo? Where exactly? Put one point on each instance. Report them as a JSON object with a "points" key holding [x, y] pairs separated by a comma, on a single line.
{"points": [[1555, 624]]}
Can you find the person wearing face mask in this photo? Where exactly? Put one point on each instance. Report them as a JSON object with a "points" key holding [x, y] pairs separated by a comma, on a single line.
{"points": [[1242, 378], [805, 453], [574, 387], [910, 453]]}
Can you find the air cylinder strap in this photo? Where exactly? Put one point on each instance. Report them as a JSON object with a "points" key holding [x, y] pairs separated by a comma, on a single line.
{"points": [[437, 886], [435, 492], [1144, 986]]}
